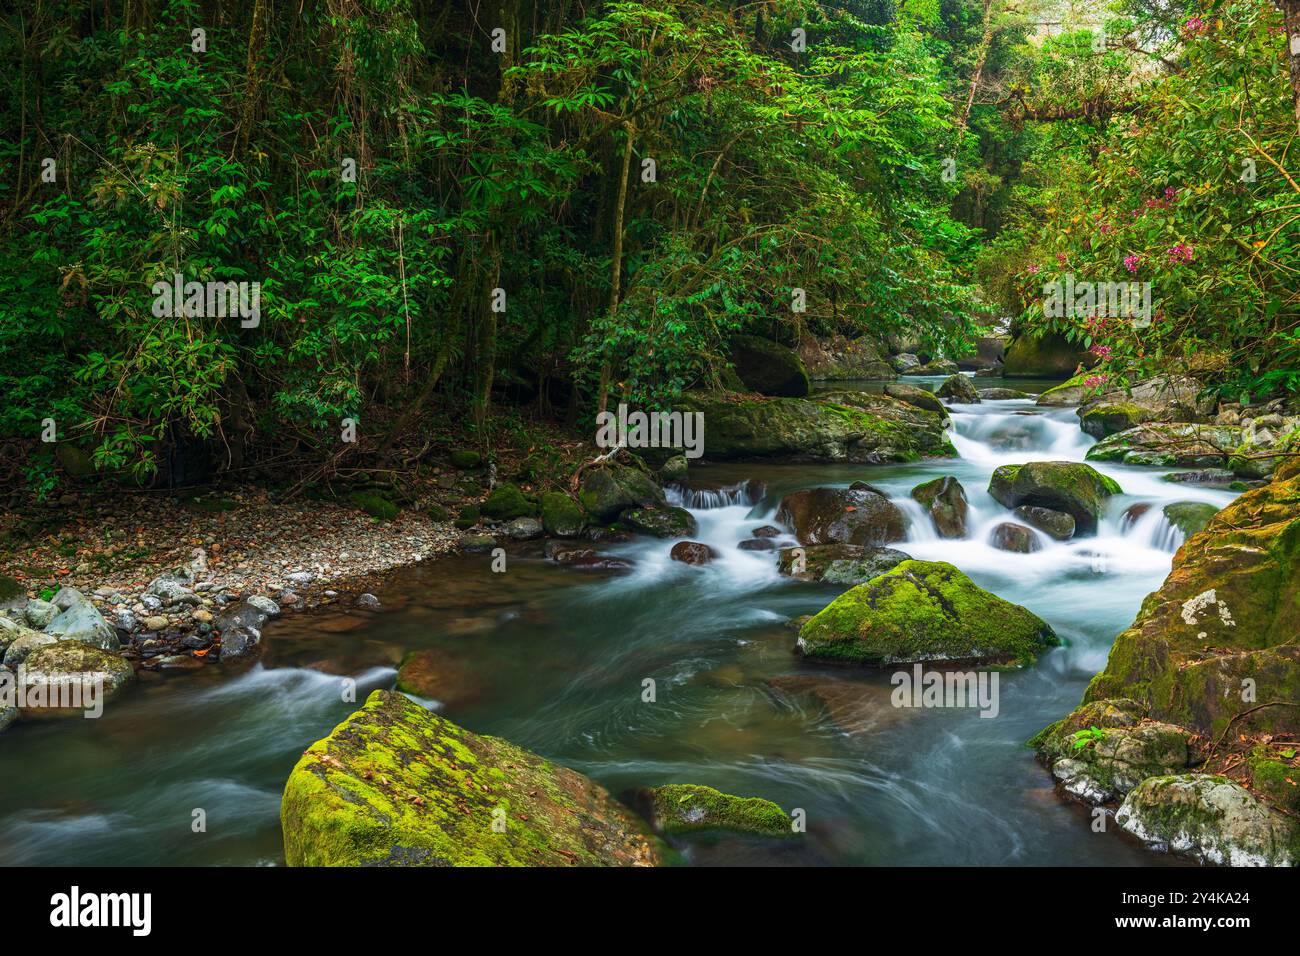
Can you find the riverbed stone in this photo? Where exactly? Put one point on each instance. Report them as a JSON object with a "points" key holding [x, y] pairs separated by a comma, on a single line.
{"points": [[1073, 487], [665, 522], [524, 529], [917, 396], [842, 516], [692, 552], [924, 611], [1210, 818], [944, 500], [561, 515], [609, 490], [1054, 524], [69, 663], [1009, 536], [507, 502], [397, 785], [684, 808], [79, 620], [38, 613], [25, 645], [839, 563]]}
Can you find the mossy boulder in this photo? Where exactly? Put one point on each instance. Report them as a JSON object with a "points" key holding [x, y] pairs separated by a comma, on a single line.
{"points": [[465, 459], [71, 667], [1072, 391], [676, 468], [842, 516], [924, 611], [561, 515], [938, 366], [1170, 445], [507, 502], [916, 396], [960, 389], [837, 426], [1075, 488], [944, 500], [1003, 394], [1190, 517], [665, 522], [1210, 818], [76, 462], [1101, 754], [375, 505], [684, 807], [609, 490], [838, 563], [1107, 418], [1276, 776], [1043, 356], [769, 368], [397, 785]]}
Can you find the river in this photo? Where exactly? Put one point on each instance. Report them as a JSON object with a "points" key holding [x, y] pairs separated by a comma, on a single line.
{"points": [[555, 660]]}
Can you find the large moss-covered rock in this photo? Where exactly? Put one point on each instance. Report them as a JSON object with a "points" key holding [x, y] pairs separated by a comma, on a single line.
{"points": [[915, 395], [1043, 356], [561, 517], [507, 502], [397, 785], [1073, 391], [1077, 489], [924, 611], [944, 500], [665, 522], [1190, 517], [768, 367], [1170, 445], [838, 426], [1107, 418], [842, 516], [71, 667], [609, 490], [960, 389], [684, 807], [838, 563], [1210, 818]]}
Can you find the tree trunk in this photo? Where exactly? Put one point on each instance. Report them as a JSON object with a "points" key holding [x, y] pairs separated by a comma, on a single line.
{"points": [[1291, 11], [985, 43], [616, 267], [253, 91]]}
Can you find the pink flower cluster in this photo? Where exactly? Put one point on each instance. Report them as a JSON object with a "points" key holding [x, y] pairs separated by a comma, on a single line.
{"points": [[1094, 380], [1131, 263], [1179, 254], [1101, 351], [1195, 27]]}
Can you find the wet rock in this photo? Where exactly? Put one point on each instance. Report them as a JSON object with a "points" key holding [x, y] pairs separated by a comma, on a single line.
{"points": [[524, 529], [684, 808], [1106, 750], [1075, 488], [1210, 818], [241, 630], [916, 396], [79, 620], [1003, 394], [476, 543], [24, 645], [1209, 477], [665, 522], [367, 600], [959, 389], [506, 503], [78, 669], [944, 500], [676, 468], [769, 368], [436, 674], [1008, 536], [839, 563], [355, 798], [264, 604], [692, 552], [767, 531], [757, 544], [842, 516], [1054, 524], [39, 613], [1170, 445], [924, 611], [936, 367]]}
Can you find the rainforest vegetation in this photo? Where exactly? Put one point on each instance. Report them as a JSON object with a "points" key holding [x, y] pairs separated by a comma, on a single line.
{"points": [[481, 214]]}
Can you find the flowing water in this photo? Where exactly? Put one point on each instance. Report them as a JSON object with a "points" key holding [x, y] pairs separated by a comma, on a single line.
{"points": [[556, 660]]}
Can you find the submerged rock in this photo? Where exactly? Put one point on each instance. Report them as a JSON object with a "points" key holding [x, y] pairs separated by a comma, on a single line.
{"points": [[924, 611], [436, 674], [1210, 818], [684, 807], [1075, 488], [692, 552], [839, 563], [397, 785], [842, 516], [944, 499], [1055, 524]]}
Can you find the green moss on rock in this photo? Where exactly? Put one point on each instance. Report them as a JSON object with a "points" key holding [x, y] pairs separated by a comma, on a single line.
{"points": [[375, 505], [1077, 489], [507, 502], [682, 807], [561, 516], [397, 785], [924, 611]]}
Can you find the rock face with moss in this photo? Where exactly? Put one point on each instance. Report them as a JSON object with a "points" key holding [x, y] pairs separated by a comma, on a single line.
{"points": [[915, 395], [768, 367], [397, 785], [1042, 356], [842, 358], [561, 516], [610, 490], [1212, 654], [1072, 487], [70, 667], [924, 611], [684, 807], [839, 563], [842, 516], [1170, 445], [853, 426], [960, 389]]}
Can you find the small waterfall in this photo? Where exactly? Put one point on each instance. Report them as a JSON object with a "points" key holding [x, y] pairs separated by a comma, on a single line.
{"points": [[746, 492], [1148, 525]]}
